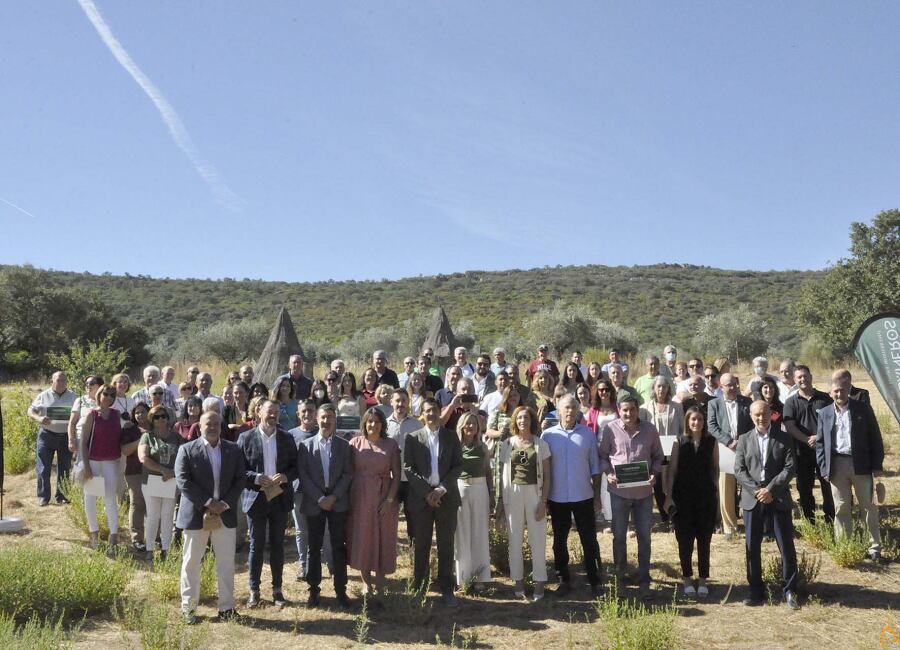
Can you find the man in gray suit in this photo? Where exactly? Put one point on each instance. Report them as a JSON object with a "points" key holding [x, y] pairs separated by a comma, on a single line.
{"points": [[209, 472], [432, 458], [850, 453], [728, 417], [326, 471], [764, 466]]}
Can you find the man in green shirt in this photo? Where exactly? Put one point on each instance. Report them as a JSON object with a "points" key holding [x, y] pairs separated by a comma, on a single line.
{"points": [[643, 386]]}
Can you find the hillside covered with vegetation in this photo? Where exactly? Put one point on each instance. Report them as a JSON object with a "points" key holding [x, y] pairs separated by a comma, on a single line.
{"points": [[662, 303]]}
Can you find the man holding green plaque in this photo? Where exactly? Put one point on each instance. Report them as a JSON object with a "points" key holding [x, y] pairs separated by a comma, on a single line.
{"points": [[52, 409], [632, 458]]}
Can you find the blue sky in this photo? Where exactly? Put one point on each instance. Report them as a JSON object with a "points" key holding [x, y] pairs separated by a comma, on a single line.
{"points": [[388, 139]]}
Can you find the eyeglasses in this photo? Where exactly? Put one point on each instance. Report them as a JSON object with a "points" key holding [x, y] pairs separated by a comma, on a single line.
{"points": [[330, 380], [603, 389], [160, 416], [90, 383], [710, 376], [695, 365], [156, 394]]}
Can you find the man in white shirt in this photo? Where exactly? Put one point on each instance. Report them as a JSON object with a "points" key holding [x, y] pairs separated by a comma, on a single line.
{"points": [[399, 425], [209, 472], [499, 361], [270, 458], [168, 383], [491, 401], [787, 386], [51, 409], [483, 379], [432, 460], [850, 455], [409, 367], [462, 362]]}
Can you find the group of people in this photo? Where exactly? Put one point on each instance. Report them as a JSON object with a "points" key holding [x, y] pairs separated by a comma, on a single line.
{"points": [[457, 448]]}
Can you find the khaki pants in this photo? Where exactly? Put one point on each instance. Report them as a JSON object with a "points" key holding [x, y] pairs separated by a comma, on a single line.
{"points": [[137, 509], [844, 479], [194, 549], [727, 496]]}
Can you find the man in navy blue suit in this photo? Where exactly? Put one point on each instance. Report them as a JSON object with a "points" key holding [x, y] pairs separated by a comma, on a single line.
{"points": [[270, 457], [850, 454]]}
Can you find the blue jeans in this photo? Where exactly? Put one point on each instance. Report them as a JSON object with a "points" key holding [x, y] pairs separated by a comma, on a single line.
{"points": [[49, 443], [643, 514]]}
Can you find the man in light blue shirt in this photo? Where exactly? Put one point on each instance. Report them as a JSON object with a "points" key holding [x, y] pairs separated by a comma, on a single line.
{"points": [[574, 492]]}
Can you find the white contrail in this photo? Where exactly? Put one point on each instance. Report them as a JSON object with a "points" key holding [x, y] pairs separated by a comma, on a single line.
{"points": [[13, 205], [176, 127]]}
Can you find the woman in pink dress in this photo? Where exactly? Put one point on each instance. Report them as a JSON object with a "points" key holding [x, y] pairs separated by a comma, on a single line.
{"points": [[373, 519]]}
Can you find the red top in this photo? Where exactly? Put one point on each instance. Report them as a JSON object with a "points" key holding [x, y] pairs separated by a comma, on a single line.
{"points": [[106, 441], [369, 396], [187, 430]]}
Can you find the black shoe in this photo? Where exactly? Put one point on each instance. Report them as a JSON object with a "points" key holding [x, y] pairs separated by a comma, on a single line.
{"points": [[189, 618], [313, 599], [229, 615], [254, 600], [449, 599], [61, 500], [875, 556], [562, 590], [342, 599], [753, 601], [278, 599], [139, 547], [790, 599]]}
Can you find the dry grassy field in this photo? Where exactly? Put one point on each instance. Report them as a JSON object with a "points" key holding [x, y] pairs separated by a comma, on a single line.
{"points": [[844, 608]]}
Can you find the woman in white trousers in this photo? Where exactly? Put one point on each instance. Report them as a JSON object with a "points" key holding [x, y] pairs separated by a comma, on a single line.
{"points": [[525, 467], [101, 449], [157, 451], [472, 541]]}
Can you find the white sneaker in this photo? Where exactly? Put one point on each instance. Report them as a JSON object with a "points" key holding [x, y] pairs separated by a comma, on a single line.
{"points": [[690, 591], [703, 591]]}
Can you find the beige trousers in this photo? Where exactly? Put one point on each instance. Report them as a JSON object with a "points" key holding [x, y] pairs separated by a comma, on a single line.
{"points": [[843, 479], [727, 495], [194, 549]]}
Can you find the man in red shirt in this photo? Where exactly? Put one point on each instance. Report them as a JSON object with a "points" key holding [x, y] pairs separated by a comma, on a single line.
{"points": [[543, 362]]}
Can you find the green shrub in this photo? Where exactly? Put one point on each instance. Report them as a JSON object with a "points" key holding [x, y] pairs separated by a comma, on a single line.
{"points": [[849, 550], [807, 570], [78, 518], [498, 542], [631, 626], [166, 581], [36, 581], [408, 607], [34, 634], [160, 628], [19, 431], [817, 533], [92, 358]]}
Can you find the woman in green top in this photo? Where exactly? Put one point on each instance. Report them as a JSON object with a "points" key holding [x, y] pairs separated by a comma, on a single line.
{"points": [[525, 460], [157, 450], [471, 548], [497, 431]]}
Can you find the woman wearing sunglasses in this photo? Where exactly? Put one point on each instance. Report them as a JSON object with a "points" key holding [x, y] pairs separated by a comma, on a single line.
{"points": [[101, 447], [157, 451]]}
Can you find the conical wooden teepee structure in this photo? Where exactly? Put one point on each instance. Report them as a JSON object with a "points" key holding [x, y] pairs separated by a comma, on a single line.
{"points": [[440, 335], [282, 343]]}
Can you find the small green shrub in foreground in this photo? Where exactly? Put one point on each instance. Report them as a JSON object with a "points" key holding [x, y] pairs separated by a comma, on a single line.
{"points": [[34, 634], [166, 581], [845, 551], [631, 626], [160, 628], [36, 581], [807, 570]]}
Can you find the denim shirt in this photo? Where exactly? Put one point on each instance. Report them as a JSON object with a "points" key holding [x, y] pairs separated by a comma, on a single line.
{"points": [[573, 461]]}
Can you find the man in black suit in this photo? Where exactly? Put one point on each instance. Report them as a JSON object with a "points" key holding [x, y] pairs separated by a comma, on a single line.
{"points": [[385, 374], [326, 471], [270, 458], [850, 453], [728, 417], [209, 472], [432, 458], [764, 466]]}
